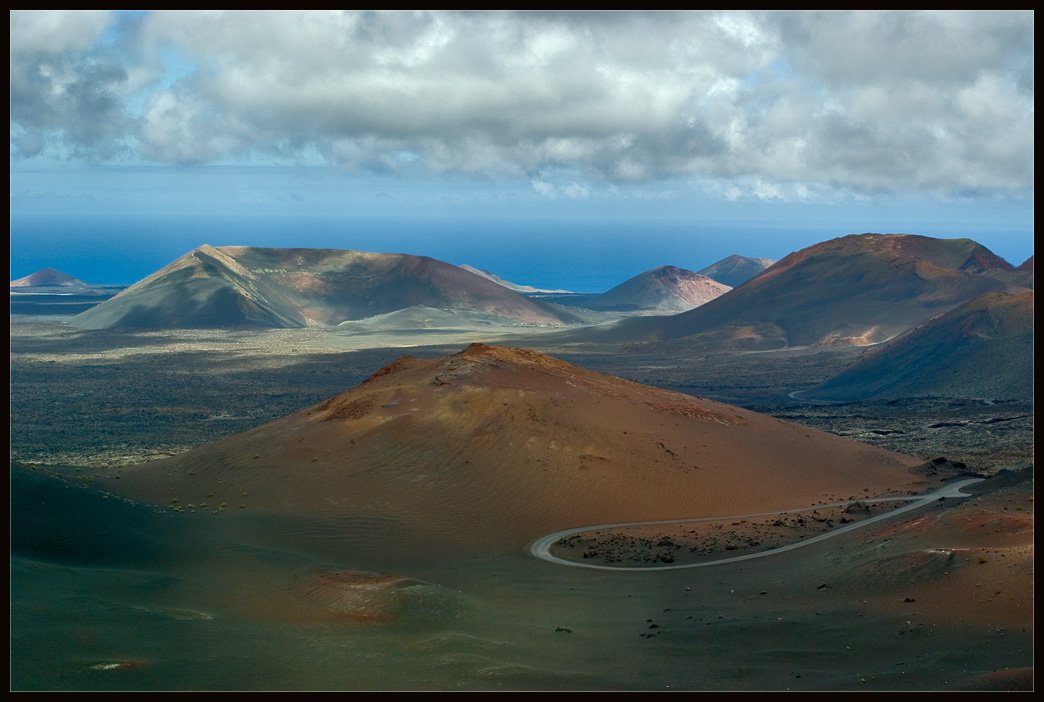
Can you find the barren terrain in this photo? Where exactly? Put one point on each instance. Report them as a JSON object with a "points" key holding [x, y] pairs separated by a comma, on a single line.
{"points": [[130, 395], [711, 539], [110, 594]]}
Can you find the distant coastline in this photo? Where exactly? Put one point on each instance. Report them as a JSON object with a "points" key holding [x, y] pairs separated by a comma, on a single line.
{"points": [[589, 257]]}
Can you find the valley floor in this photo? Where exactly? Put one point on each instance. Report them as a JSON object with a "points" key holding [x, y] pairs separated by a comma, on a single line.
{"points": [[126, 397], [107, 594]]}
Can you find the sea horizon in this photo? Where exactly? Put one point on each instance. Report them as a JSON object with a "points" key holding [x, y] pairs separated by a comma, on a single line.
{"points": [[584, 255]]}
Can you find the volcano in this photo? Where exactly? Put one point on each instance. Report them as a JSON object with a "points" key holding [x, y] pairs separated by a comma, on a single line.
{"points": [[492, 447], [736, 270], [48, 278], [856, 290], [664, 289], [242, 286]]}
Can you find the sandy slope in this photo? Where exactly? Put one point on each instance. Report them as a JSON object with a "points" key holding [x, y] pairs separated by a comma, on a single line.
{"points": [[971, 565], [983, 348], [495, 446]]}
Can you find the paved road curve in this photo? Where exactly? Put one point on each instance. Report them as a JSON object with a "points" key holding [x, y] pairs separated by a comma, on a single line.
{"points": [[541, 548]]}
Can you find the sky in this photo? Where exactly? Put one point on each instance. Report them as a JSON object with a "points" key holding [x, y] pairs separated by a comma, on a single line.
{"points": [[799, 126]]}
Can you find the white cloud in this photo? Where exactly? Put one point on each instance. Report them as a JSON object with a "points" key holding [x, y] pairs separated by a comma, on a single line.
{"points": [[542, 187], [867, 101], [55, 32], [577, 191]]}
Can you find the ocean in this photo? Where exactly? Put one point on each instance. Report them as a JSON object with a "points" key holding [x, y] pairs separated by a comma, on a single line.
{"points": [[579, 255], [586, 255]]}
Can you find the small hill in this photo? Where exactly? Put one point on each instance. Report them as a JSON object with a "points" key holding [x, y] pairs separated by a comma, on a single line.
{"points": [[664, 289], [491, 447], [1021, 275], [1025, 271], [242, 286], [736, 270], [983, 348], [48, 278]]}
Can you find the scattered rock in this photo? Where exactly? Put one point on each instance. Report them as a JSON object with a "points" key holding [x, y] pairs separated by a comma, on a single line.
{"points": [[940, 464], [120, 665]]}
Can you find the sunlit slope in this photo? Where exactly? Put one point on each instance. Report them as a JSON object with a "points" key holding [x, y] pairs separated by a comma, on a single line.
{"points": [[667, 289], [48, 278], [238, 286], [736, 270], [496, 446]]}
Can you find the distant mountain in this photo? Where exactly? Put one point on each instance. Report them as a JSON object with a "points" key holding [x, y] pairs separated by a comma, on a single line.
{"points": [[660, 291], [1022, 275], [241, 286], [525, 289], [854, 290], [665, 289], [487, 449], [983, 348], [1025, 273], [735, 270], [1027, 270], [48, 278], [50, 292]]}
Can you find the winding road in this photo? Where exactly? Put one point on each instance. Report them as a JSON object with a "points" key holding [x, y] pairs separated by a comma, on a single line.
{"points": [[541, 548]]}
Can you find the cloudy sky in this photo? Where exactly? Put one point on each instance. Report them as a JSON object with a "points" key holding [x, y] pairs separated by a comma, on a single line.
{"points": [[921, 121]]}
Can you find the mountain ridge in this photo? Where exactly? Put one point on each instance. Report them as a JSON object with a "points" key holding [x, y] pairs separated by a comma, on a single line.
{"points": [[982, 348], [239, 286], [854, 290]]}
